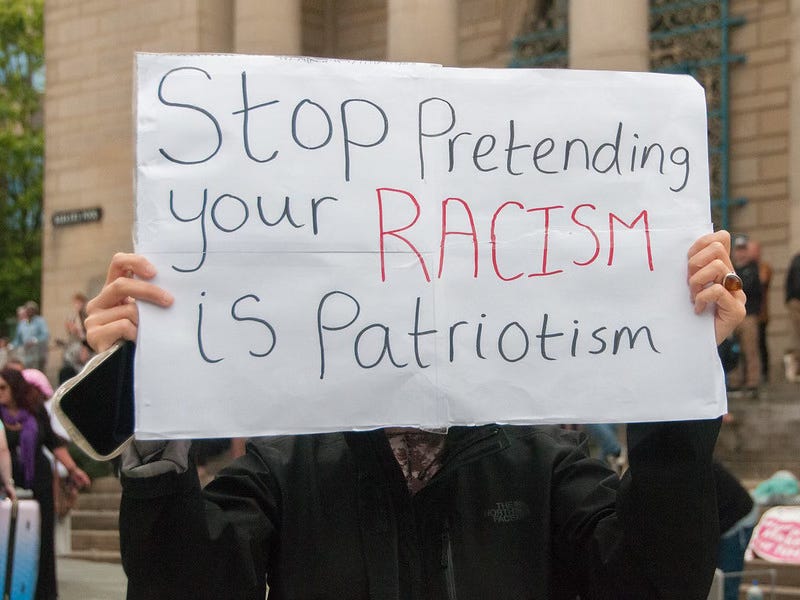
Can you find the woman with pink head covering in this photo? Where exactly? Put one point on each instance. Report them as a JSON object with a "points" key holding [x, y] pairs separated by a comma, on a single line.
{"points": [[28, 431], [39, 380]]}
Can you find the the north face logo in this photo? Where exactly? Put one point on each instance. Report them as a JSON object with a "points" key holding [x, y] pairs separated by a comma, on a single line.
{"points": [[508, 512]]}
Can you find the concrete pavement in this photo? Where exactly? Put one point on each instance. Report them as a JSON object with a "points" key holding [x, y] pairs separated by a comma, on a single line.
{"points": [[88, 580]]}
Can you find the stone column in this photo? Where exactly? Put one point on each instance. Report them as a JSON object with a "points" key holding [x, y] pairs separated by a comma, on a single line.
{"points": [[794, 129], [268, 27], [423, 31], [609, 35]]}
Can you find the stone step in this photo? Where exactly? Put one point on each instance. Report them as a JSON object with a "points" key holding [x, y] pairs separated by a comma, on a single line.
{"points": [[105, 485], [99, 501], [95, 522], [95, 540], [107, 556], [785, 575], [758, 470], [105, 520], [776, 593]]}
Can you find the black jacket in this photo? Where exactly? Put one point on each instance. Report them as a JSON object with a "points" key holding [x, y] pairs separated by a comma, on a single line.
{"points": [[793, 279], [751, 284], [514, 513]]}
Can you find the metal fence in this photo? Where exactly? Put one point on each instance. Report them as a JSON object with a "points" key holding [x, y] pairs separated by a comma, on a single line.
{"points": [[686, 36]]}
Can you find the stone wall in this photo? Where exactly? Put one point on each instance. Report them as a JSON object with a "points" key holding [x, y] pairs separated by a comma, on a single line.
{"points": [[759, 128], [89, 129], [89, 155], [89, 46], [486, 30]]}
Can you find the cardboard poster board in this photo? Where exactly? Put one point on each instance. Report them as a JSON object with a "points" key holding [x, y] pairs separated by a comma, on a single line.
{"points": [[353, 245]]}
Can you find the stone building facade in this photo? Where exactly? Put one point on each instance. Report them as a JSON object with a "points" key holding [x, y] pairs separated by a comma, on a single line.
{"points": [[89, 47], [765, 141]]}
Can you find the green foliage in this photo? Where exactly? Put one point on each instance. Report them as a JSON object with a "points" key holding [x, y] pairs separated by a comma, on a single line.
{"points": [[21, 152]]}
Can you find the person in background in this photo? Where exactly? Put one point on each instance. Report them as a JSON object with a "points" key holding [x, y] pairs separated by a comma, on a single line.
{"points": [[42, 334], [765, 277], [28, 430], [76, 350], [40, 381], [604, 435], [15, 363], [76, 331], [4, 352], [32, 336], [6, 479], [791, 358], [738, 515], [747, 375], [74, 360], [17, 345]]}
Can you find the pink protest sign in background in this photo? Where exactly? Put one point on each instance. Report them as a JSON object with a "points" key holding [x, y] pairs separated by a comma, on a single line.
{"points": [[776, 538]]}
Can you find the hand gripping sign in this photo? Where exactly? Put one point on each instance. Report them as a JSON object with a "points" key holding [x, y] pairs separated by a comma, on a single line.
{"points": [[354, 245]]}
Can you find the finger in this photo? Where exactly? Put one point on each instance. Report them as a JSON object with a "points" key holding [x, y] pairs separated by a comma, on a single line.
{"points": [[103, 317], [119, 290], [714, 272], [714, 251], [729, 311], [719, 237], [126, 265], [103, 337], [726, 301]]}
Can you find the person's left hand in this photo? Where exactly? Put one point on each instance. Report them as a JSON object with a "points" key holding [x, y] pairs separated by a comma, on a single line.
{"points": [[80, 478], [709, 262]]}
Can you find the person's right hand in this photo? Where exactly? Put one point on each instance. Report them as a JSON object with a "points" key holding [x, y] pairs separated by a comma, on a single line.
{"points": [[113, 315], [10, 490]]}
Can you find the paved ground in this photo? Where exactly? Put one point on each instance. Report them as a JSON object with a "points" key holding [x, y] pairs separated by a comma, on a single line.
{"points": [[86, 580], [763, 436]]}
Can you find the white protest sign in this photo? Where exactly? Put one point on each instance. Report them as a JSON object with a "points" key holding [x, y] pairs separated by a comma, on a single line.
{"points": [[354, 245], [777, 536]]}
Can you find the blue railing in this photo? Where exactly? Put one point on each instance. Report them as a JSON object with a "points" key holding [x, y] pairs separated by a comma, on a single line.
{"points": [[711, 62]]}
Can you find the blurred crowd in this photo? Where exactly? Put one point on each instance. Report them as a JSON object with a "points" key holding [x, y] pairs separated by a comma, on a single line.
{"points": [[748, 360], [29, 345], [34, 455]]}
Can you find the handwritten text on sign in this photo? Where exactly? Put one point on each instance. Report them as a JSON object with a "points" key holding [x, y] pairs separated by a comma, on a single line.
{"points": [[354, 245], [777, 535]]}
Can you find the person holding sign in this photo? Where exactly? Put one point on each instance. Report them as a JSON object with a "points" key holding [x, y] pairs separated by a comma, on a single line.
{"points": [[479, 512]]}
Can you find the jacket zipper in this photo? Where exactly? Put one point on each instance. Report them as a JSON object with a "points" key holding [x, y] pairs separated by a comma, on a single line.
{"points": [[447, 563]]}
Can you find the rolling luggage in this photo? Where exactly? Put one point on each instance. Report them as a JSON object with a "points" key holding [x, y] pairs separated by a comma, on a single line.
{"points": [[20, 524]]}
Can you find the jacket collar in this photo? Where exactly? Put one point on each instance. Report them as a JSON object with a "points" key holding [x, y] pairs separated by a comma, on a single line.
{"points": [[462, 446]]}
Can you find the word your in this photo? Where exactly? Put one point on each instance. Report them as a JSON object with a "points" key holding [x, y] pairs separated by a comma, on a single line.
{"points": [[223, 202]]}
